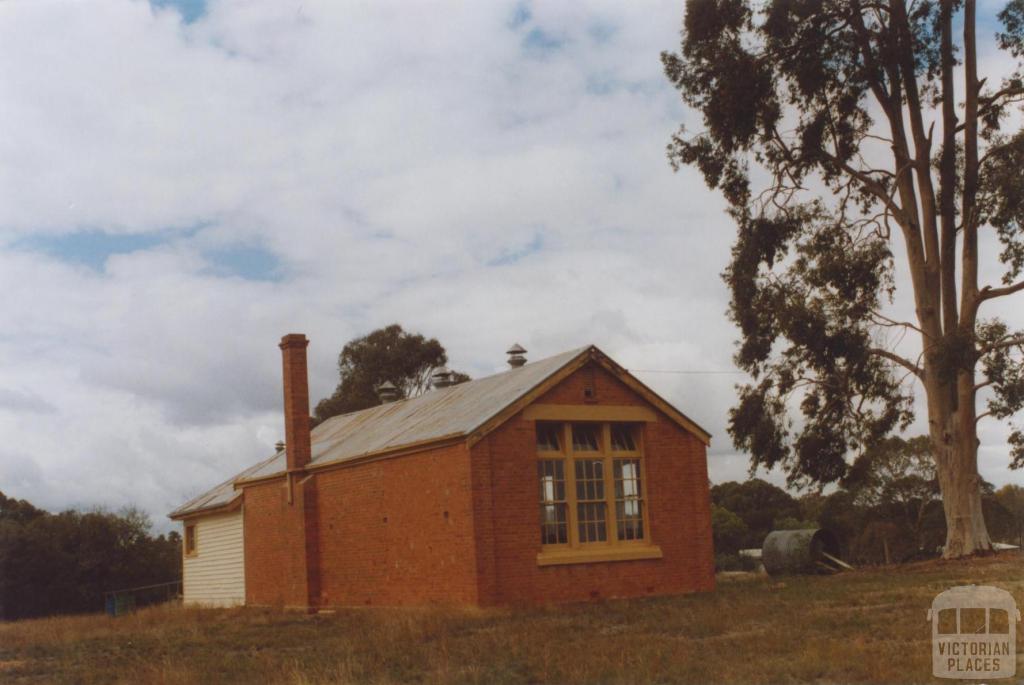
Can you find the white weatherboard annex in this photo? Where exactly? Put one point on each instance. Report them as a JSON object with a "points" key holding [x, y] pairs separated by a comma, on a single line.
{"points": [[215, 574]]}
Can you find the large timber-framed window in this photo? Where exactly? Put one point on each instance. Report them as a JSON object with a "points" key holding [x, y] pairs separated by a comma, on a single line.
{"points": [[592, 492]]}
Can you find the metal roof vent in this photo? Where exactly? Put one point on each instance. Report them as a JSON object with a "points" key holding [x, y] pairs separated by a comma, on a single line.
{"points": [[387, 392], [515, 356], [441, 378], [279, 446]]}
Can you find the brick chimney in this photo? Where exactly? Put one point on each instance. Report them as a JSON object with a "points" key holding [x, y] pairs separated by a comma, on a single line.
{"points": [[296, 401]]}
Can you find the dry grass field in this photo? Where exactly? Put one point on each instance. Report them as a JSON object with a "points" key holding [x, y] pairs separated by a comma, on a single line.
{"points": [[866, 626]]}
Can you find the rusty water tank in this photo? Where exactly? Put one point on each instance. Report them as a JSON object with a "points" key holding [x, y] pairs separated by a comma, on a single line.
{"points": [[798, 551]]}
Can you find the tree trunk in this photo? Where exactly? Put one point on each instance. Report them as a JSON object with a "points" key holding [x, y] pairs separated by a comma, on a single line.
{"points": [[955, 445]]}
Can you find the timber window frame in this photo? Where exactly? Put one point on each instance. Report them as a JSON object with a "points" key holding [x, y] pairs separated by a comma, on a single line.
{"points": [[190, 541], [593, 498]]}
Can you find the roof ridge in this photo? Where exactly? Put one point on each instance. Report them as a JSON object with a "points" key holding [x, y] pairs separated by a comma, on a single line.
{"points": [[467, 410], [573, 353]]}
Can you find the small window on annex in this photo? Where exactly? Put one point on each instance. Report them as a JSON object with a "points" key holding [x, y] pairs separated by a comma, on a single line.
{"points": [[591, 483], [190, 539]]}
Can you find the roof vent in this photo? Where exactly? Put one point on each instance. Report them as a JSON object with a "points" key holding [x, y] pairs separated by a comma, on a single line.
{"points": [[279, 446], [515, 356], [441, 378], [387, 392]]}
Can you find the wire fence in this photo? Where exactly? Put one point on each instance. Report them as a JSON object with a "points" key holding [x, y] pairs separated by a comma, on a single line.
{"points": [[126, 600]]}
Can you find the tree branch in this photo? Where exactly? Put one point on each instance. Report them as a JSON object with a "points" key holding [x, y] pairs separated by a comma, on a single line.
{"points": [[990, 293], [991, 101], [1002, 344], [893, 357], [886, 321]]}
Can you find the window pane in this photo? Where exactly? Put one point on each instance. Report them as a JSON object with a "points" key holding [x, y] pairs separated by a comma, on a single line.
{"points": [[629, 520], [551, 473], [947, 622], [589, 479], [998, 622], [972, 621], [554, 511], [591, 521], [585, 437], [629, 517], [553, 528], [623, 437], [627, 478], [548, 437]]}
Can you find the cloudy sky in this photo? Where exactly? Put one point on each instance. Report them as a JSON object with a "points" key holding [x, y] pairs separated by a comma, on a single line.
{"points": [[182, 182]]}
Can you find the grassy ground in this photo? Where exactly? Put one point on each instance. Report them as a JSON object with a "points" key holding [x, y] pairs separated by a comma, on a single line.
{"points": [[865, 626]]}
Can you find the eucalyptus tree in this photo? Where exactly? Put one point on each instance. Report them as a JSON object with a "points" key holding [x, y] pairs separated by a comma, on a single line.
{"points": [[391, 354], [854, 139]]}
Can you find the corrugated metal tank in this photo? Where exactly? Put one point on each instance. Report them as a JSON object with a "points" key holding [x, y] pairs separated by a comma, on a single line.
{"points": [[215, 574], [797, 551]]}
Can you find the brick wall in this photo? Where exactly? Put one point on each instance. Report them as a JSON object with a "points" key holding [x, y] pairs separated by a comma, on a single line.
{"points": [[398, 531], [460, 525], [277, 544], [678, 511]]}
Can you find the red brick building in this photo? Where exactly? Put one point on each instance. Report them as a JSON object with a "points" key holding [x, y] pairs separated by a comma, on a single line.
{"points": [[565, 479]]}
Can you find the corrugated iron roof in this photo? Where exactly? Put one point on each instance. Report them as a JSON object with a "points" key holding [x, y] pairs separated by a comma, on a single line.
{"points": [[222, 494], [457, 410], [443, 413]]}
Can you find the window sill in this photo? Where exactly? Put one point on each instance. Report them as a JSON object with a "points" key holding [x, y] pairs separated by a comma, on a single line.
{"points": [[577, 556]]}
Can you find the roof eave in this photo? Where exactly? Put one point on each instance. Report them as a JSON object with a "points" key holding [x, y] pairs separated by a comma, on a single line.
{"points": [[398, 451], [181, 515]]}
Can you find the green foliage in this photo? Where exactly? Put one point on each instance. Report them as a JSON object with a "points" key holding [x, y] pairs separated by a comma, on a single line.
{"points": [[791, 523], [63, 563], [789, 92], [1006, 374], [758, 504], [17, 510], [406, 360], [1011, 498], [727, 529], [894, 471], [888, 503]]}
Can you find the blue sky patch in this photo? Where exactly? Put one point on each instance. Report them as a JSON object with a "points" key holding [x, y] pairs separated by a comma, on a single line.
{"points": [[602, 32], [190, 10], [248, 262], [513, 255], [520, 16], [90, 248], [540, 42], [601, 84]]}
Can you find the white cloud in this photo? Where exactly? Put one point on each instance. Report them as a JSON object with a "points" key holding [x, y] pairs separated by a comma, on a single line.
{"points": [[385, 154]]}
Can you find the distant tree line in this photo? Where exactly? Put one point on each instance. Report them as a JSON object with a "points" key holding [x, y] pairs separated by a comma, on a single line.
{"points": [[63, 563], [888, 510]]}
